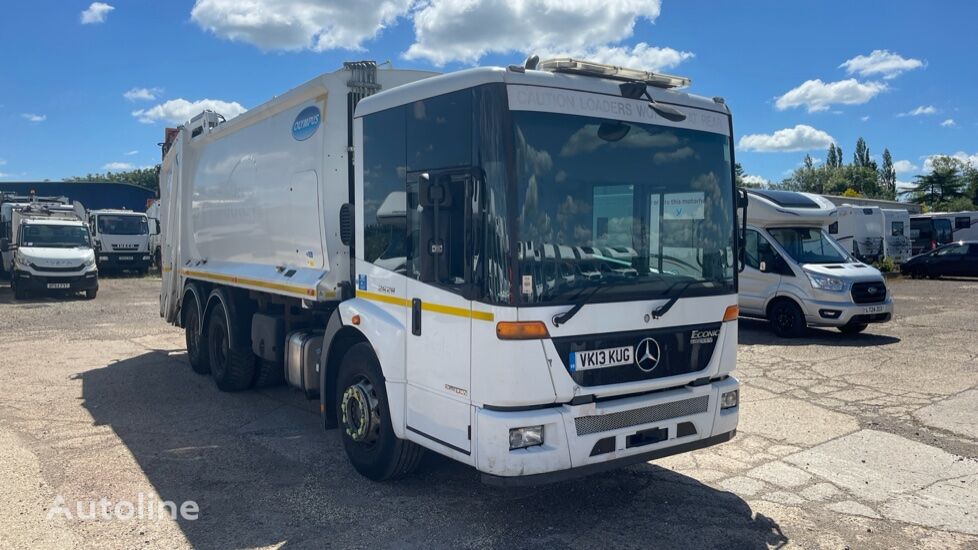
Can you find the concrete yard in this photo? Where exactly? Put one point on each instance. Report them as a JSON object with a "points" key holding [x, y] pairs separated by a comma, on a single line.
{"points": [[863, 442]]}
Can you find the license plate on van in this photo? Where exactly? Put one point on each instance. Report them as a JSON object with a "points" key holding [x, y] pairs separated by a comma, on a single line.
{"points": [[125, 258], [601, 358], [58, 285], [873, 309]]}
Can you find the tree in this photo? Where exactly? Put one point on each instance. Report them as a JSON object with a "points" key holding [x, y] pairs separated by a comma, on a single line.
{"points": [[861, 156], [942, 185], [830, 158], [143, 177], [888, 176]]}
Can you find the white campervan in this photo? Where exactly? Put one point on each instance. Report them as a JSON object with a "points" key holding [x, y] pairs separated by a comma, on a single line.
{"points": [[859, 229], [896, 234], [797, 276]]}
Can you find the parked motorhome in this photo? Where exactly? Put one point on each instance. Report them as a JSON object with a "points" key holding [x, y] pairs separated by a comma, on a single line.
{"points": [[929, 231], [896, 235], [796, 276], [964, 225], [122, 239], [399, 263], [859, 229], [49, 249]]}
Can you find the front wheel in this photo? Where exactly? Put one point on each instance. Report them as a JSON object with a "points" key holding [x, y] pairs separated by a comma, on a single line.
{"points": [[19, 294], [363, 417], [91, 294], [787, 320], [852, 329]]}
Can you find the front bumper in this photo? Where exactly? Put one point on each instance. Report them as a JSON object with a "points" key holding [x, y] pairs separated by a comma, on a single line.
{"points": [[583, 439], [75, 283], [123, 260], [837, 314]]}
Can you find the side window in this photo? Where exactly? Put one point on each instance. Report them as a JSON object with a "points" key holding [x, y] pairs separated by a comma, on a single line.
{"points": [[962, 222], [439, 132], [750, 249], [384, 197], [834, 228], [953, 250], [896, 229]]}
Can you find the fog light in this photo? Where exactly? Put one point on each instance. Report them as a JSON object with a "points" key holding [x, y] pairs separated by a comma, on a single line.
{"points": [[728, 400], [521, 438], [103, 258], [145, 257]]}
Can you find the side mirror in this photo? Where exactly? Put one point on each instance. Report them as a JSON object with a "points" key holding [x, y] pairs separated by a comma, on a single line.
{"points": [[762, 267], [4, 245]]}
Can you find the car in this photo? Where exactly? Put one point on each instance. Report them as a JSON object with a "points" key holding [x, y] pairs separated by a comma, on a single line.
{"points": [[956, 259]]}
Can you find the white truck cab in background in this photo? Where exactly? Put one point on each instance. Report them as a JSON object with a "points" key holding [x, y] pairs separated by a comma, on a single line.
{"points": [[797, 276], [122, 239], [49, 248], [531, 270]]}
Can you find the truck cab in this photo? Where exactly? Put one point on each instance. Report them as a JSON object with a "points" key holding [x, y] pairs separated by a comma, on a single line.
{"points": [[49, 250], [122, 239], [797, 276]]}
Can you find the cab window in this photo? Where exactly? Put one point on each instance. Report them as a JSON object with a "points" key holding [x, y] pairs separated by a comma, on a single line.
{"points": [[757, 249], [952, 250]]}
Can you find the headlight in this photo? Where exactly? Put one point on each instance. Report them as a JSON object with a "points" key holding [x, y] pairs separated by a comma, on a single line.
{"points": [[20, 261], [824, 282], [90, 262], [530, 436]]}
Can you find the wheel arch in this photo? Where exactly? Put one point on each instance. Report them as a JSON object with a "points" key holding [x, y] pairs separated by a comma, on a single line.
{"points": [[782, 298]]}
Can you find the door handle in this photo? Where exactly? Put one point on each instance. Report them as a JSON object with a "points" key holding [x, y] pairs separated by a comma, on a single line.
{"points": [[416, 316]]}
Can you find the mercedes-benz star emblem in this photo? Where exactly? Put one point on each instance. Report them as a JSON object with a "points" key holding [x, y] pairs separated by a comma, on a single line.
{"points": [[647, 355]]}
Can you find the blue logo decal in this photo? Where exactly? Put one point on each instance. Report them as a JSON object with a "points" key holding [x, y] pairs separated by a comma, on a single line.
{"points": [[306, 123], [361, 282]]}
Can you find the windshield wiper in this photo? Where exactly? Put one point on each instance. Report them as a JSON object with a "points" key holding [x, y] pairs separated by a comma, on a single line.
{"points": [[664, 308], [562, 318]]}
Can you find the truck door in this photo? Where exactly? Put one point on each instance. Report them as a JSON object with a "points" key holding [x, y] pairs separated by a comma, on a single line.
{"points": [[440, 318], [757, 285]]}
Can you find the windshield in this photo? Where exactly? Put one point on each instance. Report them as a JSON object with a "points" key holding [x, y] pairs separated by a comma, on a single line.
{"points": [[54, 236], [808, 245], [123, 225], [634, 208]]}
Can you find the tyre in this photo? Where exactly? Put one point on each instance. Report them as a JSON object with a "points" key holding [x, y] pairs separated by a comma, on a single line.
{"points": [[268, 374], [787, 320], [19, 294], [233, 368], [91, 294], [852, 329], [363, 417], [193, 335]]}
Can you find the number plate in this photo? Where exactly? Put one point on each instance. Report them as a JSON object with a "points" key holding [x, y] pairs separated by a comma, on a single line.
{"points": [[601, 358], [873, 309], [125, 258], [59, 285]]}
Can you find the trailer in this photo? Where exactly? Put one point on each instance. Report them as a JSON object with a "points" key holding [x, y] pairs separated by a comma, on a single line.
{"points": [[896, 238], [531, 270]]}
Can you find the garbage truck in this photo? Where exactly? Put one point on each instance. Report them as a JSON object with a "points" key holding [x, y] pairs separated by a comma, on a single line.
{"points": [[529, 269]]}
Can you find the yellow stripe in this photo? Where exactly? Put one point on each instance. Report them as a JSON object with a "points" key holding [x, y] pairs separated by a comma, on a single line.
{"points": [[248, 282], [434, 308]]}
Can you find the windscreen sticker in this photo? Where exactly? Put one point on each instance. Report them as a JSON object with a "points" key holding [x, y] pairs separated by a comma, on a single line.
{"points": [[684, 206], [527, 284]]}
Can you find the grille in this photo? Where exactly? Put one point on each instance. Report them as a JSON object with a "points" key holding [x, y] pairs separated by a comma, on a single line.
{"points": [[606, 422], [57, 269], [868, 293]]}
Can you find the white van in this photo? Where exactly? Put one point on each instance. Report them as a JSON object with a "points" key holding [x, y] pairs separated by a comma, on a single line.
{"points": [[859, 229], [122, 239], [797, 276], [896, 234]]}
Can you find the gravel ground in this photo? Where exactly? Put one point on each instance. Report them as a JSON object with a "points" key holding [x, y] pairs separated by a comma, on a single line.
{"points": [[864, 442]]}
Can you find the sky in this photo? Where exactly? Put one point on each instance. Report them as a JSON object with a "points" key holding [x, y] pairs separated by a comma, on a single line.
{"points": [[88, 87]]}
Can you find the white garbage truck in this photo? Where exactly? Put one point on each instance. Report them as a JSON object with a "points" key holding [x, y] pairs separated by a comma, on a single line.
{"points": [[529, 269]]}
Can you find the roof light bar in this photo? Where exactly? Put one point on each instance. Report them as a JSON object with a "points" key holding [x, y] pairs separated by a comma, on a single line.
{"points": [[577, 66]]}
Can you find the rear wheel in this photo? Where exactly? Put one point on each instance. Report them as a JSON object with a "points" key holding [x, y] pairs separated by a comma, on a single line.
{"points": [[787, 320], [363, 416], [852, 329], [233, 368], [196, 347]]}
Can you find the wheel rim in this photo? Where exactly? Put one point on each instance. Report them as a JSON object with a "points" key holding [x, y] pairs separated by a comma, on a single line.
{"points": [[785, 320], [360, 410]]}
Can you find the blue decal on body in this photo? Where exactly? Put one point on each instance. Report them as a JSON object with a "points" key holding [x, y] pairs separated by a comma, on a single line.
{"points": [[362, 282], [306, 123]]}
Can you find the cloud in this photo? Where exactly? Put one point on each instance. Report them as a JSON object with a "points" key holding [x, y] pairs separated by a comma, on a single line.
{"points": [[118, 166], [95, 13], [800, 138], [922, 110], [904, 166], [178, 111], [864, 118], [131, 153], [948, 123], [31, 117], [142, 94], [449, 30], [756, 180], [971, 159], [881, 62], [318, 25], [665, 157], [816, 95]]}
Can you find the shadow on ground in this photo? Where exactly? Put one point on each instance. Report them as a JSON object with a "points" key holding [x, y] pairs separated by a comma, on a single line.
{"points": [[754, 332], [264, 473]]}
